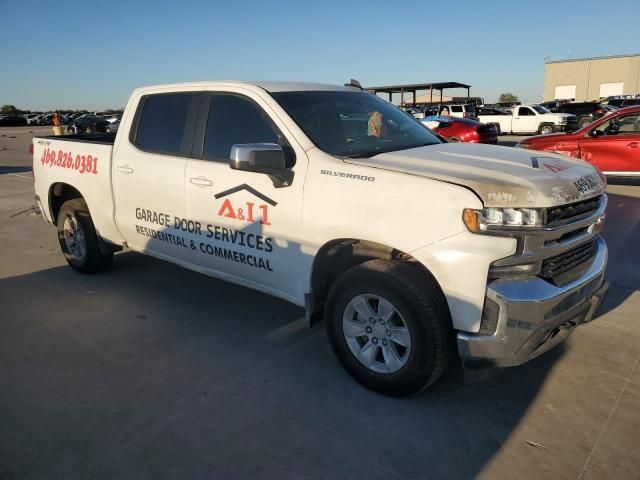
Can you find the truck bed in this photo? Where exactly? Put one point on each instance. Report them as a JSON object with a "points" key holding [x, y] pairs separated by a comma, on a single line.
{"points": [[101, 138]]}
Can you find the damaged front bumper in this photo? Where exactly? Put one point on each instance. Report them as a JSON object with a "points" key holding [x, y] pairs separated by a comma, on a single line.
{"points": [[533, 317]]}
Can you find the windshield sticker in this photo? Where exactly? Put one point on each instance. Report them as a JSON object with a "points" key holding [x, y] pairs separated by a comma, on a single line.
{"points": [[374, 125]]}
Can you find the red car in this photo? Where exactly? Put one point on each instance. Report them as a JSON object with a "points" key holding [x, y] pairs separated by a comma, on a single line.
{"points": [[611, 143], [461, 129]]}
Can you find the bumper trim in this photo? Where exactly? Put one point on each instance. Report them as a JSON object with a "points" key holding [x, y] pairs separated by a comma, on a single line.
{"points": [[534, 317]]}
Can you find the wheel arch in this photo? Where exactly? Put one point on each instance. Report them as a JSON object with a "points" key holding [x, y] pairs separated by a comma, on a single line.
{"points": [[59, 193], [339, 255]]}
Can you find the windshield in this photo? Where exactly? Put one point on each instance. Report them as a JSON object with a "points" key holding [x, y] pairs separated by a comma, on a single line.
{"points": [[540, 109], [354, 124]]}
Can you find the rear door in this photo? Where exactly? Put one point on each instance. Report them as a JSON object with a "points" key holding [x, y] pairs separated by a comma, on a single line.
{"points": [[247, 227], [616, 149], [148, 174], [525, 120]]}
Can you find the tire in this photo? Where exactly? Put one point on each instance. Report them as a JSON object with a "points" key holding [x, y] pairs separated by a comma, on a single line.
{"points": [[420, 319], [79, 240], [584, 122], [87, 130], [545, 129], [498, 130]]}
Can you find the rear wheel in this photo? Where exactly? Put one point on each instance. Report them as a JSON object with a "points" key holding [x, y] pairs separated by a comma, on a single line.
{"points": [[388, 326], [78, 238], [583, 122]]}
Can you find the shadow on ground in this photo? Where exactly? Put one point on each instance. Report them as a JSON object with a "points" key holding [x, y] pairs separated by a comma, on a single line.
{"points": [[153, 371]]}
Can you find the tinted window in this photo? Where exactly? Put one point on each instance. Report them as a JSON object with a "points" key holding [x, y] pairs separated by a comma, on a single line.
{"points": [[622, 124], [524, 111], [455, 108], [166, 123], [540, 109], [234, 119], [354, 124]]}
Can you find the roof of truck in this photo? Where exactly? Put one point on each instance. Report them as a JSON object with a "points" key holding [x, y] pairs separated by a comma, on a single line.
{"points": [[270, 86]]}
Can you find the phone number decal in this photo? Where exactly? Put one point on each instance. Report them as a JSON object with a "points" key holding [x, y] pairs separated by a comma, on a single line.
{"points": [[80, 163]]}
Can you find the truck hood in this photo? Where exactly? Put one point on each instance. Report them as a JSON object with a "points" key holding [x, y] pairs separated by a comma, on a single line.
{"points": [[500, 176]]}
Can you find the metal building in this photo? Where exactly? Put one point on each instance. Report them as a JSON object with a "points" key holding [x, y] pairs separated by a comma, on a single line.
{"points": [[593, 78]]}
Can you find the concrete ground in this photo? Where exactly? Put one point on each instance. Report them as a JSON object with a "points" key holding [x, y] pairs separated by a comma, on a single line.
{"points": [[152, 371]]}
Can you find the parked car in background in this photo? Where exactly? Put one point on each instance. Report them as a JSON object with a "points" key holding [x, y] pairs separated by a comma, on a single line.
{"points": [[113, 118], [585, 112], [622, 102], [88, 124], [459, 111], [31, 118], [461, 129], [529, 119], [112, 127], [551, 105], [611, 143], [47, 119], [12, 121]]}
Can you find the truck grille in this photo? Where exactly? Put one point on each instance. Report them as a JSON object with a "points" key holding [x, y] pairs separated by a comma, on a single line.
{"points": [[569, 265], [573, 210]]}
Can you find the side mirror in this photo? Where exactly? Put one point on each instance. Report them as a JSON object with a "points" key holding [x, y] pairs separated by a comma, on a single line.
{"points": [[268, 158], [594, 133], [257, 157]]}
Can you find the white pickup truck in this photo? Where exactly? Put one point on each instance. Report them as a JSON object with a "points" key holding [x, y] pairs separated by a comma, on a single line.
{"points": [[414, 250], [527, 119]]}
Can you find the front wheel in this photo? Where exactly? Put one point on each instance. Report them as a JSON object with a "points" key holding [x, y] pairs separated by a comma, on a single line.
{"points": [[545, 129], [78, 238], [388, 326]]}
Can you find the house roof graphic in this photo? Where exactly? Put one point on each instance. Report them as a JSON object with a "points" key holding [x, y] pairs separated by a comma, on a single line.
{"points": [[249, 189]]}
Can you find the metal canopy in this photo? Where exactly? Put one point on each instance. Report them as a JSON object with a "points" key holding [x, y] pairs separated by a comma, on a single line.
{"points": [[417, 86], [413, 87]]}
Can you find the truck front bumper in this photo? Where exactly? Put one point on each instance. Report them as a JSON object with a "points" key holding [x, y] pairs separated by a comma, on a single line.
{"points": [[533, 317]]}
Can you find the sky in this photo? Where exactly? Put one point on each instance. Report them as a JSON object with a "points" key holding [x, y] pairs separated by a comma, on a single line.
{"points": [[71, 54]]}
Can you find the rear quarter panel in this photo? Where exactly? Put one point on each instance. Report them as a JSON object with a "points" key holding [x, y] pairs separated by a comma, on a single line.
{"points": [[87, 168]]}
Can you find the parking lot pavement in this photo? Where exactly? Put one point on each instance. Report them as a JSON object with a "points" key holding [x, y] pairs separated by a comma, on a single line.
{"points": [[153, 371]]}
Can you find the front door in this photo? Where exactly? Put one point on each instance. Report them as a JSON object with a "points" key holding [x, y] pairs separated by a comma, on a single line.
{"points": [[148, 174], [247, 227], [524, 120], [616, 148]]}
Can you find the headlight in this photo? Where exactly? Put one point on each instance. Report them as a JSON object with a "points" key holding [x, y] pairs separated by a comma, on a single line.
{"points": [[562, 120], [481, 221]]}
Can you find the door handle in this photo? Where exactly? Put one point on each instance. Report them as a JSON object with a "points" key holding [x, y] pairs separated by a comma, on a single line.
{"points": [[517, 118], [125, 169], [201, 181], [632, 145]]}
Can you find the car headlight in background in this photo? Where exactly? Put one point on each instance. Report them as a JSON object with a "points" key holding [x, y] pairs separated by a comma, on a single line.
{"points": [[481, 221]]}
